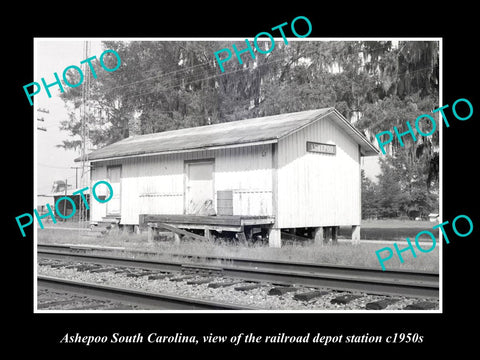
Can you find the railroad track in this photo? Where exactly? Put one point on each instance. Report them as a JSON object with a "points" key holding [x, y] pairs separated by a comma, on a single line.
{"points": [[342, 278], [142, 299]]}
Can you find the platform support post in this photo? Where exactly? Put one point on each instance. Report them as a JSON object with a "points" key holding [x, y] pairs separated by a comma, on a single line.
{"points": [[335, 234], [249, 233], [208, 234], [274, 238], [356, 234], [327, 233], [318, 235], [151, 233], [176, 239]]}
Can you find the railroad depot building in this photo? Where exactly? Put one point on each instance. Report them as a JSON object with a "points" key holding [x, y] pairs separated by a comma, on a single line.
{"points": [[290, 171]]}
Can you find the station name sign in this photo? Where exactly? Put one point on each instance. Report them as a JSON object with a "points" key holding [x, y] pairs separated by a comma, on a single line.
{"points": [[321, 148]]}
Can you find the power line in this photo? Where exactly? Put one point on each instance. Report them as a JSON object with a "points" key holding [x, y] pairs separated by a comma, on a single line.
{"points": [[208, 74], [166, 89], [250, 69], [213, 76], [53, 167], [201, 76], [154, 77], [223, 74], [210, 62]]}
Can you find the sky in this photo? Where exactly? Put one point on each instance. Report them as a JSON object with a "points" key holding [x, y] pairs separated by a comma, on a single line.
{"points": [[53, 163]]}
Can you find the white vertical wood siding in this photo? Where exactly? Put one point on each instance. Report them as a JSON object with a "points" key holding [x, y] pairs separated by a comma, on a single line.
{"points": [[248, 172], [97, 210], [313, 189], [318, 189], [155, 184]]}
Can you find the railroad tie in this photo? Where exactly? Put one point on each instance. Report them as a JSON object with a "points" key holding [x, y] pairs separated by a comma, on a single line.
{"points": [[248, 287], [222, 284], [134, 275], [344, 299], [181, 278], [53, 303], [423, 305], [148, 273], [157, 276], [280, 290], [307, 296], [102, 270], [198, 282], [87, 267], [122, 271], [380, 304]]}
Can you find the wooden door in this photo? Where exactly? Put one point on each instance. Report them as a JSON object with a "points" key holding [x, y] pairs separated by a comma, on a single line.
{"points": [[199, 193], [114, 174]]}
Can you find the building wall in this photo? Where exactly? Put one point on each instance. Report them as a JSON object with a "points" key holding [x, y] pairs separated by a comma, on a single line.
{"points": [[97, 210], [313, 189], [317, 189], [156, 184], [248, 172]]}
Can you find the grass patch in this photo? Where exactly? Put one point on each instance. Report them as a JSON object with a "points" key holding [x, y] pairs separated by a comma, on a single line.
{"points": [[390, 229], [340, 254]]}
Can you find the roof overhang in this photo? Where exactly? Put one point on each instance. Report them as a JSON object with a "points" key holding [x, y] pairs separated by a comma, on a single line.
{"points": [[366, 147], [193, 149], [241, 133]]}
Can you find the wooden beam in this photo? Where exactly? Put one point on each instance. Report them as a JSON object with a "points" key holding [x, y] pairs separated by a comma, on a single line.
{"points": [[151, 234], [242, 238], [249, 233], [259, 221], [234, 221], [209, 227], [194, 219], [176, 230], [208, 234], [176, 238]]}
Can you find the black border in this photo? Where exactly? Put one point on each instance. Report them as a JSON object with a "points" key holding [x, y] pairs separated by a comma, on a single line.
{"points": [[41, 332]]}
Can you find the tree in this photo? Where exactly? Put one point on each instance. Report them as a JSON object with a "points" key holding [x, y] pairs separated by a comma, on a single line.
{"points": [[165, 85], [172, 84], [402, 188], [370, 209]]}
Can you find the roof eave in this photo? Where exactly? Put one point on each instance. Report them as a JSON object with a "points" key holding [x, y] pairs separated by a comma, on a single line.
{"points": [[368, 148], [186, 150]]}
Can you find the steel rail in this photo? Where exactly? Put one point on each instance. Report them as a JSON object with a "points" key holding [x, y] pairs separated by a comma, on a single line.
{"points": [[410, 283], [398, 275], [146, 300]]}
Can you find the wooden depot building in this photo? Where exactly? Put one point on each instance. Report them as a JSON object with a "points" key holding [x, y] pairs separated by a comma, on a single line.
{"points": [[284, 172]]}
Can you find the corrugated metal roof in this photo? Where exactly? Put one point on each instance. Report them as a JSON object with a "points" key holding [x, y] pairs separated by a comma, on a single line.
{"points": [[249, 131]]}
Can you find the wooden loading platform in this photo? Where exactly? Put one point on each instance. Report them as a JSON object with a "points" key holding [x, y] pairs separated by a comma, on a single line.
{"points": [[242, 225]]}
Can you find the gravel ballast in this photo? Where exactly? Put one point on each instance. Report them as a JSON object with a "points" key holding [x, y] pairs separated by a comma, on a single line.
{"points": [[235, 291]]}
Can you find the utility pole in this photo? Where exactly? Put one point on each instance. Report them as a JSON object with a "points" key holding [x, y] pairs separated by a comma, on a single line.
{"points": [[42, 119], [76, 174], [64, 201], [84, 117]]}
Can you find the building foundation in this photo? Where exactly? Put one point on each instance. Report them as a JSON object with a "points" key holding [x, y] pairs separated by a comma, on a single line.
{"points": [[356, 234], [274, 238]]}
